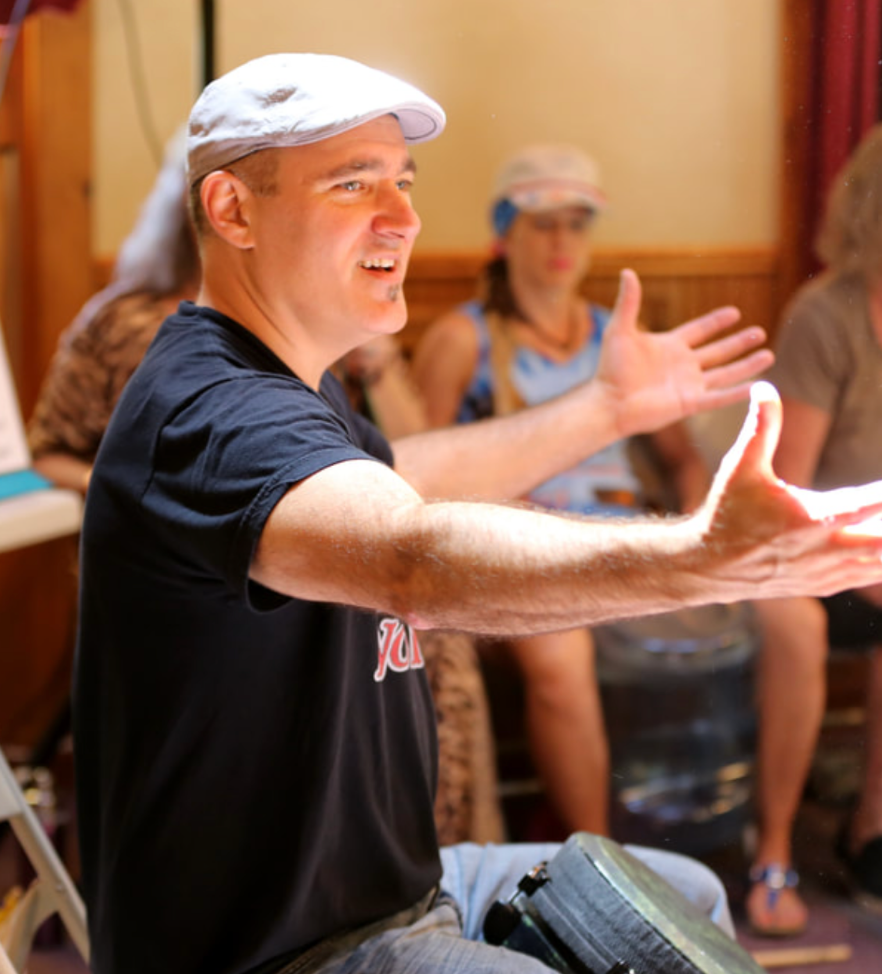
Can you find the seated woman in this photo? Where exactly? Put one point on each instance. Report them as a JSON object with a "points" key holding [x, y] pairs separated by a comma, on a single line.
{"points": [[157, 267], [829, 374], [531, 337]]}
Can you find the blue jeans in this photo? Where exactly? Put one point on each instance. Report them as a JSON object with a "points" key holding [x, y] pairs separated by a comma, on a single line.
{"points": [[440, 935]]}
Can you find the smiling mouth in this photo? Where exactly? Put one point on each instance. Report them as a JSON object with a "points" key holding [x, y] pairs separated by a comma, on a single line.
{"points": [[379, 264]]}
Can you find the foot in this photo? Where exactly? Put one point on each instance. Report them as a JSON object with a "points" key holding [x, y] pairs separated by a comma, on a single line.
{"points": [[773, 906]]}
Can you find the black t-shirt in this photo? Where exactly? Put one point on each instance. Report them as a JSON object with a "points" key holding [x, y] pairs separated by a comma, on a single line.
{"points": [[254, 772]]}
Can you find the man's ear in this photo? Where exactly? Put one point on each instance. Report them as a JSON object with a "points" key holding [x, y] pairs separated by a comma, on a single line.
{"points": [[225, 201]]}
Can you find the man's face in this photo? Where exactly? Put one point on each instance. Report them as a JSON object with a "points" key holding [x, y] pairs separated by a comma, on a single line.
{"points": [[335, 240]]}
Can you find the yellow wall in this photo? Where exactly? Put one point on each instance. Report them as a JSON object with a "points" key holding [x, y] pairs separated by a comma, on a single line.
{"points": [[677, 99]]}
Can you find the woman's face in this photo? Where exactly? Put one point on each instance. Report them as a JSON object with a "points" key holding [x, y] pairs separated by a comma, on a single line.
{"points": [[551, 249]]}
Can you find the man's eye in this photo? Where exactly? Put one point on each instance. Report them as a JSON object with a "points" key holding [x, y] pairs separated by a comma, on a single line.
{"points": [[406, 185], [351, 185]]}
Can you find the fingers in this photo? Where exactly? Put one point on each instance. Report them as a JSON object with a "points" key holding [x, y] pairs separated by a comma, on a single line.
{"points": [[853, 570], [741, 370], [845, 506], [731, 347], [627, 306], [869, 527], [731, 383], [755, 445], [702, 329], [763, 422]]}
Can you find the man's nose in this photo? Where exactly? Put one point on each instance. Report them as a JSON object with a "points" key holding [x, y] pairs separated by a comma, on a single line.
{"points": [[396, 215]]}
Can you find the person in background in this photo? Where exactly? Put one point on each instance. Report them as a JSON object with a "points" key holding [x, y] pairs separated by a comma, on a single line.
{"points": [[156, 268], [380, 385], [529, 338], [829, 374], [254, 733]]}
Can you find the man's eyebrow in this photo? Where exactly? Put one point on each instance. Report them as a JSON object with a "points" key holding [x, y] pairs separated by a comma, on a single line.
{"points": [[356, 166]]}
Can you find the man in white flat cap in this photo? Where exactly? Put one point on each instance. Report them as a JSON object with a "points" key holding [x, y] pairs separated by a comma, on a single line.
{"points": [[255, 737]]}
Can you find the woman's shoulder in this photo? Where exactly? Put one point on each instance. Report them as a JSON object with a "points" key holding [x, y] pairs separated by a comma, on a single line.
{"points": [[839, 295], [119, 331], [462, 326]]}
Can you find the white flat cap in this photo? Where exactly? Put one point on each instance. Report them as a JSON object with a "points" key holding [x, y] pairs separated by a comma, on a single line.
{"points": [[294, 99]]}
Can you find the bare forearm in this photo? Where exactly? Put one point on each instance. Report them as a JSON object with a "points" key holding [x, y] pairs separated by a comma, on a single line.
{"points": [[516, 571], [510, 571], [487, 568], [507, 457], [64, 470]]}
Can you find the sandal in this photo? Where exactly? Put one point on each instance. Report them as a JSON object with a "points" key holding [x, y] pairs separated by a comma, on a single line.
{"points": [[774, 908]]}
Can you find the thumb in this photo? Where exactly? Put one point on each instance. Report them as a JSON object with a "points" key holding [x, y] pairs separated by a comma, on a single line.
{"points": [[754, 449], [627, 306]]}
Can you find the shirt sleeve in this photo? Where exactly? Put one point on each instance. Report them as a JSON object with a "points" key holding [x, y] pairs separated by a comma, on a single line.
{"points": [[226, 459], [812, 360]]}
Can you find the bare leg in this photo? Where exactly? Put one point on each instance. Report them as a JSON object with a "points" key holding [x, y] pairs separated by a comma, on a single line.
{"points": [[565, 726], [791, 706]]}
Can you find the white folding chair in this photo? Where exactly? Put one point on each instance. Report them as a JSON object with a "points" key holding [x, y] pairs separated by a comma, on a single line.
{"points": [[51, 892]]}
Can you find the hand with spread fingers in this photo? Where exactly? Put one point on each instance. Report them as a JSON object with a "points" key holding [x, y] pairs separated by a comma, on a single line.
{"points": [[794, 540], [657, 378]]}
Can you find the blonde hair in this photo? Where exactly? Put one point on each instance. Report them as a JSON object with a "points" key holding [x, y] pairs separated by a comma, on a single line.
{"points": [[850, 238]]}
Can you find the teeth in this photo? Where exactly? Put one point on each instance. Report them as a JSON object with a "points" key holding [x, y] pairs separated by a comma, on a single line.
{"points": [[383, 264]]}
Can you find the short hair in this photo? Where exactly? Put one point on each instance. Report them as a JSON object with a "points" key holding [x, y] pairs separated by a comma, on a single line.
{"points": [[850, 237], [258, 171]]}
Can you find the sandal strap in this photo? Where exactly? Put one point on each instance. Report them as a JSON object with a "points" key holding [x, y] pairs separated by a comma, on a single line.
{"points": [[775, 877]]}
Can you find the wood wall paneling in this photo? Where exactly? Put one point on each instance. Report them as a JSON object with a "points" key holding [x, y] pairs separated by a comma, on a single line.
{"points": [[677, 284], [45, 275]]}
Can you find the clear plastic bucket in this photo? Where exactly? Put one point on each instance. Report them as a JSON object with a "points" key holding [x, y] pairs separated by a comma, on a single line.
{"points": [[678, 697]]}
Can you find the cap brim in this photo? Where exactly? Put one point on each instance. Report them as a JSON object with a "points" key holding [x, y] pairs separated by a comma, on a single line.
{"points": [[546, 200], [418, 124]]}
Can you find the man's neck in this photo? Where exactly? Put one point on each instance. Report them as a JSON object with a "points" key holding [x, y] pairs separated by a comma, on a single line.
{"points": [[285, 339]]}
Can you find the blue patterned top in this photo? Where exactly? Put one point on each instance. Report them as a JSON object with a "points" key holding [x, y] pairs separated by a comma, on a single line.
{"points": [[537, 379]]}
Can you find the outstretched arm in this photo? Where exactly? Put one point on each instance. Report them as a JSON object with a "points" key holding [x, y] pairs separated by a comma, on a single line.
{"points": [[645, 381], [355, 533]]}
